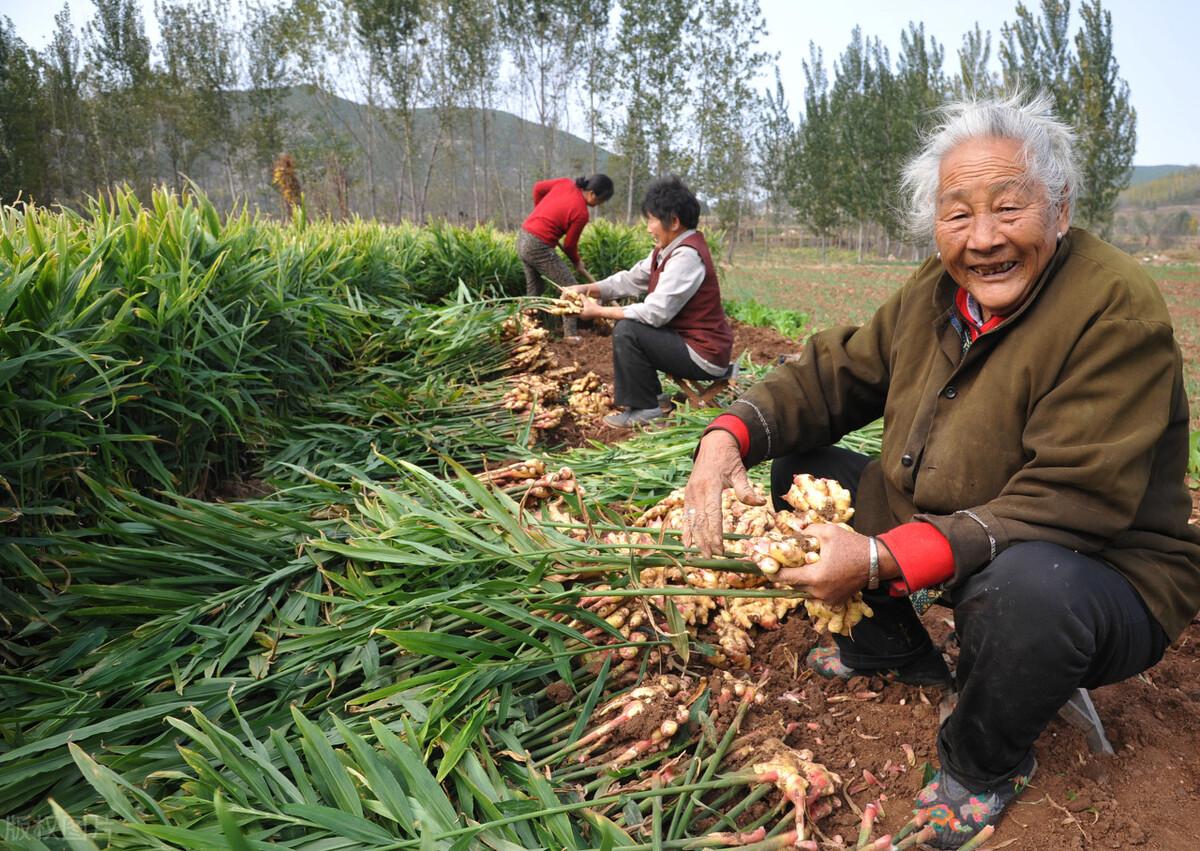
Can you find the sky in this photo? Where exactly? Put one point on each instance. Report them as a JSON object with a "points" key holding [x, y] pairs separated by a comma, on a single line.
{"points": [[1155, 46]]}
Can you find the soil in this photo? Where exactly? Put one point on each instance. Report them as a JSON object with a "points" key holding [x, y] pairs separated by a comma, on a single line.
{"points": [[1146, 796]]}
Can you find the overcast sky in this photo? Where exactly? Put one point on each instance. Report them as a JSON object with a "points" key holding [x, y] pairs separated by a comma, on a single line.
{"points": [[1156, 47]]}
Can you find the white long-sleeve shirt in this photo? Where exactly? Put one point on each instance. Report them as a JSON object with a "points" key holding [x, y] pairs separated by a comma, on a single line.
{"points": [[677, 283]]}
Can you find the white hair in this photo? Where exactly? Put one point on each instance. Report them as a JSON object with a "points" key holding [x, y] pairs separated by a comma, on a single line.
{"points": [[1046, 147]]}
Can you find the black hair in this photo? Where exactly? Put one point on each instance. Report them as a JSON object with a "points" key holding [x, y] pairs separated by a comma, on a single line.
{"points": [[668, 198], [601, 184]]}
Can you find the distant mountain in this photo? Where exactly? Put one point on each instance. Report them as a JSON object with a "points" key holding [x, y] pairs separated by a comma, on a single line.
{"points": [[1180, 186], [325, 133], [1147, 173]]}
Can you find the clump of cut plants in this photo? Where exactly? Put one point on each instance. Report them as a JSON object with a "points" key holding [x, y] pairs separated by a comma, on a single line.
{"points": [[539, 387]]}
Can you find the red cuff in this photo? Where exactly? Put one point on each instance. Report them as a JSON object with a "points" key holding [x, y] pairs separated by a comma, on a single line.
{"points": [[733, 425], [923, 553]]}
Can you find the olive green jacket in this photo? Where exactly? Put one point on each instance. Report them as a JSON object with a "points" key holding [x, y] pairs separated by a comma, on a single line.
{"points": [[1068, 423]]}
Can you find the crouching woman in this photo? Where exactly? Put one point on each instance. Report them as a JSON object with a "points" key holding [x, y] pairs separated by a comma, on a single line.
{"points": [[679, 327], [1032, 470]]}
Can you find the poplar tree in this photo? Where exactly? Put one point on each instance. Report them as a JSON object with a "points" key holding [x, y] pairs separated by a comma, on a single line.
{"points": [[975, 78], [118, 54], [542, 35], [1035, 53], [71, 147], [1104, 119], [775, 146], [651, 87], [814, 177], [394, 34], [723, 53], [595, 61], [472, 62], [22, 158], [268, 72], [920, 86]]}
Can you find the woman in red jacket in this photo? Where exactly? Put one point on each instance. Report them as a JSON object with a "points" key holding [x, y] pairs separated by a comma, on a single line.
{"points": [[560, 211]]}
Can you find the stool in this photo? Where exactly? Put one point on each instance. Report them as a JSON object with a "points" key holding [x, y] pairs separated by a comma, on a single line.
{"points": [[1080, 712], [701, 394]]}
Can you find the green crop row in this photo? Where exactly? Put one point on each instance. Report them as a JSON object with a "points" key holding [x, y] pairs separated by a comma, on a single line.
{"points": [[359, 658], [790, 323]]}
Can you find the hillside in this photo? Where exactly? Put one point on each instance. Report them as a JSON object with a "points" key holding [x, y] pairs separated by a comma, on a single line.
{"points": [[1147, 173], [1178, 187], [326, 133]]}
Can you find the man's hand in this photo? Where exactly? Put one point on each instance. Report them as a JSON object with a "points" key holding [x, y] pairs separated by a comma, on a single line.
{"points": [[842, 570], [718, 466]]}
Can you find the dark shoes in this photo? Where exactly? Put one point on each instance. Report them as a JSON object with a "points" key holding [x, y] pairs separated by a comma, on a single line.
{"points": [[929, 670], [958, 814]]}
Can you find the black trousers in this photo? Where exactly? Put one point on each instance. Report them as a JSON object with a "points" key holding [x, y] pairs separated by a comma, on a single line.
{"points": [[640, 351], [1034, 625]]}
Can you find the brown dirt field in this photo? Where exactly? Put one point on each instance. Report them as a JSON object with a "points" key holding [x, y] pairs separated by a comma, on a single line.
{"points": [[1146, 796]]}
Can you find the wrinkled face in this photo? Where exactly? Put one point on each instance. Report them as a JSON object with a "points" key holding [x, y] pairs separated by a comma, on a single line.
{"points": [[995, 228], [663, 232]]}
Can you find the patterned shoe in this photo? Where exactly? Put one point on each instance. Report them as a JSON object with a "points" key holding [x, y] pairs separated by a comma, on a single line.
{"points": [[929, 670], [957, 813]]}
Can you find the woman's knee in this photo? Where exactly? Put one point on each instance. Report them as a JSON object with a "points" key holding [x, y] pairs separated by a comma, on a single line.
{"points": [[624, 334], [1031, 589], [1032, 571]]}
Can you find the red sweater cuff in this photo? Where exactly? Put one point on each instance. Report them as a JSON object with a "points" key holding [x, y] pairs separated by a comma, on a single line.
{"points": [[733, 425], [923, 553]]}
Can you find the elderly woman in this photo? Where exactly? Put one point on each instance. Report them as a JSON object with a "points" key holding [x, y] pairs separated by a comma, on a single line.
{"points": [[1033, 461]]}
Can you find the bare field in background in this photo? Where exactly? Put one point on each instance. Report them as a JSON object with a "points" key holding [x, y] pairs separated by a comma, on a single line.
{"points": [[841, 291]]}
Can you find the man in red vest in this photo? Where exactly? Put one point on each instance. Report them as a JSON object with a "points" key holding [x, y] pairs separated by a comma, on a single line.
{"points": [[680, 327]]}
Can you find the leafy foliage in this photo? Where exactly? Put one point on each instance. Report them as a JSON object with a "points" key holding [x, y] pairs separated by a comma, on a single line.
{"points": [[357, 658], [790, 323]]}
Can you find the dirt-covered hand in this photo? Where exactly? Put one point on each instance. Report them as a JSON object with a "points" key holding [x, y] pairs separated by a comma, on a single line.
{"points": [[842, 569], [718, 466]]}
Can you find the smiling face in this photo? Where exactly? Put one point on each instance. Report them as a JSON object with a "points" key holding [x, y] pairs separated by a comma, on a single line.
{"points": [[995, 228], [664, 233]]}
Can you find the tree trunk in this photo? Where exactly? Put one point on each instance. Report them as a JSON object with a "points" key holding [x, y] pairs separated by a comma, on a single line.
{"points": [[371, 159], [475, 170], [629, 198], [412, 165]]}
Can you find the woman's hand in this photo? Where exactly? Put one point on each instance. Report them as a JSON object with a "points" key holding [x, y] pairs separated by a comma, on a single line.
{"points": [[591, 308], [718, 465], [842, 570]]}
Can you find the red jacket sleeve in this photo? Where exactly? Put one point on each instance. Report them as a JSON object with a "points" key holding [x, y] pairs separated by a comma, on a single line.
{"points": [[733, 425], [570, 242], [540, 189], [923, 553]]}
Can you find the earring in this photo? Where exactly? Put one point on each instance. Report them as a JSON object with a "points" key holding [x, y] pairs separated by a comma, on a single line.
{"points": [[1060, 236], [939, 255]]}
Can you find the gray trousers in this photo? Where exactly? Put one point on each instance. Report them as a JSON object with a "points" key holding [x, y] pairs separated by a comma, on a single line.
{"points": [[640, 351], [542, 260]]}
